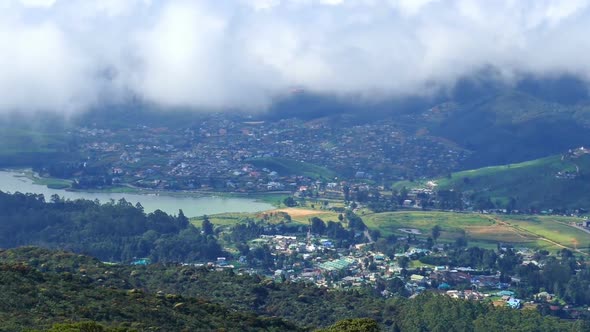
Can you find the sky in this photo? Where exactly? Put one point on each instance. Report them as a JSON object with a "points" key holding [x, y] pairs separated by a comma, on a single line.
{"points": [[71, 55]]}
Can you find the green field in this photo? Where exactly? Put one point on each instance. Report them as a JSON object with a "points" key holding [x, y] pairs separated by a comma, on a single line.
{"points": [[532, 184], [538, 232], [274, 199], [53, 183], [298, 215], [544, 232], [556, 229], [285, 166], [391, 222], [224, 219]]}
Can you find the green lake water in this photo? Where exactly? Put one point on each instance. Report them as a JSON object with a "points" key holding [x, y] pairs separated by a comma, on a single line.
{"points": [[14, 181]]}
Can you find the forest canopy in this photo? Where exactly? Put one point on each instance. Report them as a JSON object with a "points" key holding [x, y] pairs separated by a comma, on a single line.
{"points": [[115, 231]]}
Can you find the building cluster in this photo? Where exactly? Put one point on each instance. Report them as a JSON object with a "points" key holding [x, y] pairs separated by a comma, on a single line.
{"points": [[230, 154], [321, 262]]}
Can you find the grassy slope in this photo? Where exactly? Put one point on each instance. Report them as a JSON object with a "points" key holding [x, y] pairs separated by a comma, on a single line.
{"points": [[20, 140], [532, 183], [54, 183], [510, 126], [21, 147], [531, 231]]}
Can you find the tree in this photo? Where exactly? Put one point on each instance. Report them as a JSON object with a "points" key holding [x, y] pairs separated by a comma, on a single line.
{"points": [[207, 226], [346, 191], [289, 202], [429, 242], [354, 325], [139, 206], [435, 232], [403, 262], [243, 248], [182, 220], [317, 226], [461, 241]]}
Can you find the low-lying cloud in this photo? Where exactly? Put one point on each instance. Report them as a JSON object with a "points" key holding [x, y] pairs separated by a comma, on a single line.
{"points": [[69, 55]]}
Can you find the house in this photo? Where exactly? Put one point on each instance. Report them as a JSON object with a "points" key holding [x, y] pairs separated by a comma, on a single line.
{"points": [[444, 286], [472, 295], [141, 261], [544, 296], [514, 303], [221, 261], [505, 293], [416, 278]]}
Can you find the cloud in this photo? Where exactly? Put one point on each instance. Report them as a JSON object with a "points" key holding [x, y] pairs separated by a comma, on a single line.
{"points": [[69, 55], [38, 3]]}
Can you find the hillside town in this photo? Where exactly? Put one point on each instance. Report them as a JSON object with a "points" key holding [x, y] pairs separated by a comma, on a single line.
{"points": [[227, 154]]}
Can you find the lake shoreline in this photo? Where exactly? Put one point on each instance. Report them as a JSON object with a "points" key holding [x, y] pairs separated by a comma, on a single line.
{"points": [[193, 204], [130, 189]]}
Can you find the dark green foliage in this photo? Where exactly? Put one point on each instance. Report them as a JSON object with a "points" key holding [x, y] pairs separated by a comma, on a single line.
{"points": [[436, 232], [511, 126], [289, 202], [354, 325], [449, 200], [39, 288], [430, 312], [85, 327], [112, 232], [207, 226], [555, 182], [318, 226]]}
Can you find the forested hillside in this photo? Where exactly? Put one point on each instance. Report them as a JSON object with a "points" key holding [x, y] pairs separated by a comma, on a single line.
{"points": [[39, 288], [116, 231], [79, 289]]}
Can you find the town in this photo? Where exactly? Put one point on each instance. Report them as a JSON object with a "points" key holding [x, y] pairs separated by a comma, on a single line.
{"points": [[333, 256], [222, 153]]}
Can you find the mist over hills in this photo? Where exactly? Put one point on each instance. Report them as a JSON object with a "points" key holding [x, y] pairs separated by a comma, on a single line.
{"points": [[446, 125], [500, 123]]}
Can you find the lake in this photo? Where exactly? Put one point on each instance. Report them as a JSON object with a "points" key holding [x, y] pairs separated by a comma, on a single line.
{"points": [[13, 181]]}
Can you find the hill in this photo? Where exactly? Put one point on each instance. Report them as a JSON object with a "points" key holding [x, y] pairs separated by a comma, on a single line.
{"points": [[41, 288], [510, 126], [556, 182]]}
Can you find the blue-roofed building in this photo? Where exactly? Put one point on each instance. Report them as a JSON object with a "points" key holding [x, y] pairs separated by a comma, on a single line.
{"points": [[141, 261], [514, 303], [444, 286], [505, 293]]}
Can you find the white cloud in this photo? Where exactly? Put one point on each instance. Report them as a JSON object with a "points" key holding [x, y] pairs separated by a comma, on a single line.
{"points": [[40, 71], [38, 3], [66, 55]]}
